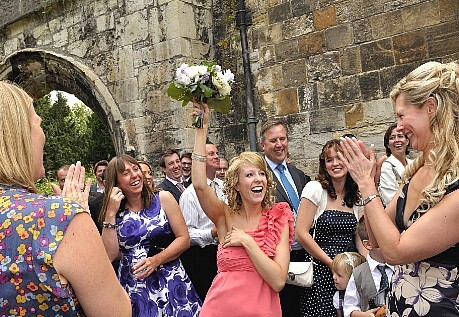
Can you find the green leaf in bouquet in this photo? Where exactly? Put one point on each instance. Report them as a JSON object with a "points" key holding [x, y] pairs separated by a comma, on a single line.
{"points": [[207, 91], [221, 105], [193, 88], [186, 99], [175, 92]]}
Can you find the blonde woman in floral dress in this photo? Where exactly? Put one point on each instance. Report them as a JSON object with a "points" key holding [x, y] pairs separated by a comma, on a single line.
{"points": [[424, 242]]}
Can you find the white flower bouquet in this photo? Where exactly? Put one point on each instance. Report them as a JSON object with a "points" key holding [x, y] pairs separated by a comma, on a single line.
{"points": [[207, 83]]}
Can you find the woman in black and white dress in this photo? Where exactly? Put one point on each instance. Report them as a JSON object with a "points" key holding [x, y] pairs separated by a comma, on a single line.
{"points": [[331, 203]]}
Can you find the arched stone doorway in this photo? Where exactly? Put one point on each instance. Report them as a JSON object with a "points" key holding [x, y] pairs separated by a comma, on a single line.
{"points": [[39, 72]]}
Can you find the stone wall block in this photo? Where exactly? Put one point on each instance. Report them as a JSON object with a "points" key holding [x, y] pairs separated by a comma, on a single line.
{"points": [[60, 38], [286, 102], [387, 24], [308, 97], [180, 20], [257, 36], [179, 47], [199, 50], [311, 44], [300, 7], [55, 25], [421, 15], [378, 111], [362, 31], [294, 73], [449, 10], [410, 47], [125, 62], [269, 79], [267, 56], [351, 63], [443, 40], [286, 50], [338, 92], [161, 52], [266, 4], [157, 101], [353, 115], [297, 26], [134, 28], [390, 76], [324, 66], [156, 25], [266, 102], [339, 36], [79, 48], [370, 85], [320, 120], [126, 90], [259, 17], [324, 18], [279, 13], [135, 5], [375, 55]]}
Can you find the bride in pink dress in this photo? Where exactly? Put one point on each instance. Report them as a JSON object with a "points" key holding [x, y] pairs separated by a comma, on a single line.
{"points": [[254, 234]]}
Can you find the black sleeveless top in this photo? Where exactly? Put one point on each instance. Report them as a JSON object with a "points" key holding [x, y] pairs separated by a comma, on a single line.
{"points": [[447, 258]]}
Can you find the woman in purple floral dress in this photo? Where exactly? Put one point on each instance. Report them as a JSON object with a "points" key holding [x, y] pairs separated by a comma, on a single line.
{"points": [[146, 228]]}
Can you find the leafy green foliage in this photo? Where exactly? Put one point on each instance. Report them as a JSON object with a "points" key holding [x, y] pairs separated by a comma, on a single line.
{"points": [[72, 134]]}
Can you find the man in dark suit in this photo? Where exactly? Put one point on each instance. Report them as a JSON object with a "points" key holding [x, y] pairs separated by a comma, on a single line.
{"points": [[290, 182], [172, 168]]}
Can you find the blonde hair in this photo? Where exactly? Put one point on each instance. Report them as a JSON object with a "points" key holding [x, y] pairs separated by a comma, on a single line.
{"points": [[232, 179], [345, 262], [16, 150], [440, 81]]}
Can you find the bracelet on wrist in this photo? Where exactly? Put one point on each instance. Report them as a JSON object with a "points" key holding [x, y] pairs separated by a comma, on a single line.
{"points": [[198, 157], [109, 225], [365, 201]]}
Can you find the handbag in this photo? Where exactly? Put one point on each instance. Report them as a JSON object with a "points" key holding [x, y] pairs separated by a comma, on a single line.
{"points": [[301, 273]]}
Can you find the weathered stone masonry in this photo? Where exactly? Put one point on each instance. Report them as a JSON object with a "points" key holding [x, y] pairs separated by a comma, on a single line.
{"points": [[326, 66]]}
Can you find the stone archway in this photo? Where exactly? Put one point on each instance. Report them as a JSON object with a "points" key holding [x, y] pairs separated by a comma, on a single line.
{"points": [[39, 72]]}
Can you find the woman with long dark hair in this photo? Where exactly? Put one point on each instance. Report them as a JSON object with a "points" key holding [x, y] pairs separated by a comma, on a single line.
{"points": [[146, 229], [330, 202]]}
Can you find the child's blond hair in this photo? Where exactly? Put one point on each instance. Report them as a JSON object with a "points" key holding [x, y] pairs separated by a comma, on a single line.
{"points": [[345, 262]]}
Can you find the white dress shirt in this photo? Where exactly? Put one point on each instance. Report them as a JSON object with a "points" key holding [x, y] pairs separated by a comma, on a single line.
{"points": [[352, 297], [388, 183], [198, 224]]}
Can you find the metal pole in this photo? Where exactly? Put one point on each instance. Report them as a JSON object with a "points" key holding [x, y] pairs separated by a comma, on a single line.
{"points": [[242, 21]]}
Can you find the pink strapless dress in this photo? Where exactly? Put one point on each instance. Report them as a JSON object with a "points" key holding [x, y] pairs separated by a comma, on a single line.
{"points": [[238, 290]]}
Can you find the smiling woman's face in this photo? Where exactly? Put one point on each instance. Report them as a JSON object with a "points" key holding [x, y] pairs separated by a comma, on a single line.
{"points": [[130, 180]]}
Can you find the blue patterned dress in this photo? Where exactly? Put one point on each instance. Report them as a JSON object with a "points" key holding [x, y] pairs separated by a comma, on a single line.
{"points": [[168, 290]]}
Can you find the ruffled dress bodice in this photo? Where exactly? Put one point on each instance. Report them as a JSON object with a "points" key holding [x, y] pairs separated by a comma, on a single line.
{"points": [[237, 278]]}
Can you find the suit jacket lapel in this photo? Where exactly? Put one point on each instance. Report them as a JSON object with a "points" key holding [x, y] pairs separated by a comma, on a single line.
{"points": [[172, 188], [296, 180], [279, 188]]}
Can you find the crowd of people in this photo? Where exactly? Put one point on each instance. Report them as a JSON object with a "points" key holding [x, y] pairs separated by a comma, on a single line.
{"points": [[215, 237]]}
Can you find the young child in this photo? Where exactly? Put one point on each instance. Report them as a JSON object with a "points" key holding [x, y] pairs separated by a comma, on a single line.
{"points": [[364, 294], [342, 266]]}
